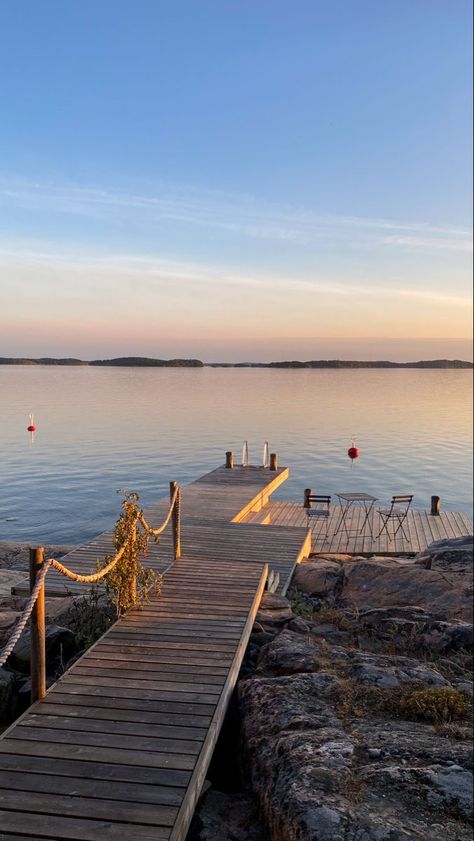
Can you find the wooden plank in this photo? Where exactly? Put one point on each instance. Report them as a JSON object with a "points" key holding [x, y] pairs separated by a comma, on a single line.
{"points": [[62, 721], [194, 726], [91, 770], [62, 749], [90, 807], [74, 829], [81, 787]]}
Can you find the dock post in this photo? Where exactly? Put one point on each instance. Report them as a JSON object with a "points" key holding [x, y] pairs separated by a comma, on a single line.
{"points": [[229, 459], [37, 630], [133, 579], [176, 517], [273, 461], [307, 494], [435, 506]]}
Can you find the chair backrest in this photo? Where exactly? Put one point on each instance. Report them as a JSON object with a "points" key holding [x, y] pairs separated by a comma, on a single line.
{"points": [[318, 499], [318, 506], [402, 499]]}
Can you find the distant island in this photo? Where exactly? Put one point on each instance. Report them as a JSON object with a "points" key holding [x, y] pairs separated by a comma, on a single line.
{"points": [[119, 362], [146, 362]]}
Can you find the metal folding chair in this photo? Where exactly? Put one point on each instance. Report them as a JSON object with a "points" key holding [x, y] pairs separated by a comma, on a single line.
{"points": [[396, 513], [320, 510]]}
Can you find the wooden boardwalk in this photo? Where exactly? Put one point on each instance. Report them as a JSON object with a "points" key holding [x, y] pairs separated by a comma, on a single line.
{"points": [[119, 748], [211, 508], [422, 529]]}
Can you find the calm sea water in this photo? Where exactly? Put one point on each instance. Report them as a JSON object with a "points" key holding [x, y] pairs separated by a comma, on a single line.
{"points": [[104, 429]]}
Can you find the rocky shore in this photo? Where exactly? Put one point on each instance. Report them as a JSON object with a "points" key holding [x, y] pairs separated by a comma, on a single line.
{"points": [[355, 704]]}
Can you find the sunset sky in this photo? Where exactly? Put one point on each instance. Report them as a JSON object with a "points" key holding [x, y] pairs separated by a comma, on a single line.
{"points": [[235, 180]]}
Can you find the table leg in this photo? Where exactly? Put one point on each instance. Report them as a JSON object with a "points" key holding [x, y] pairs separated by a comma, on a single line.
{"points": [[368, 511], [344, 518]]}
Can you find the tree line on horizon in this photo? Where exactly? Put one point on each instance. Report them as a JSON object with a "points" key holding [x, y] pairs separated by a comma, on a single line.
{"points": [[147, 362]]}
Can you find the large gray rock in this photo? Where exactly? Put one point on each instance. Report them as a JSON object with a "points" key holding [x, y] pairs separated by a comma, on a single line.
{"points": [[8, 620], [274, 611], [389, 672], [287, 654], [401, 742], [318, 778], [455, 554], [388, 583], [60, 646], [318, 577]]}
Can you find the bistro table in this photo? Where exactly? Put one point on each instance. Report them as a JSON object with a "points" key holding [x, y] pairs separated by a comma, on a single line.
{"points": [[348, 501]]}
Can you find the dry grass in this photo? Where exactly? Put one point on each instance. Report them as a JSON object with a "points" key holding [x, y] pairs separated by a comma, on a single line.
{"points": [[437, 705]]}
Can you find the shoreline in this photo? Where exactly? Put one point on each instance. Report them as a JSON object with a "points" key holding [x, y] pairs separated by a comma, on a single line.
{"points": [[319, 364]]}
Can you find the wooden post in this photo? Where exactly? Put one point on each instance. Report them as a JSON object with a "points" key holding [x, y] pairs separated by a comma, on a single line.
{"points": [[176, 520], [435, 506], [37, 630], [307, 494], [133, 552], [229, 459], [273, 461]]}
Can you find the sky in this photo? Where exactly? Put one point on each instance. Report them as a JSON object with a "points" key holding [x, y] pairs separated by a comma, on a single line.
{"points": [[236, 180]]}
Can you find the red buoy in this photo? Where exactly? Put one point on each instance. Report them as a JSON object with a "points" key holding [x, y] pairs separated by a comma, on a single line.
{"points": [[31, 427], [353, 452]]}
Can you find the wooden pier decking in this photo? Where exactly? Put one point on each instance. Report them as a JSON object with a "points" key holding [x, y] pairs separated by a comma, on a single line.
{"points": [[421, 527], [119, 748]]}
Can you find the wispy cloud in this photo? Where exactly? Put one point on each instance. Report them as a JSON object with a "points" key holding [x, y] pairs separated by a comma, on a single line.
{"points": [[152, 271], [244, 216]]}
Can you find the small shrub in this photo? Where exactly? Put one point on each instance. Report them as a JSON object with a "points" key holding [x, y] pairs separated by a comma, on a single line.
{"points": [[301, 605], [437, 705], [91, 617], [128, 584]]}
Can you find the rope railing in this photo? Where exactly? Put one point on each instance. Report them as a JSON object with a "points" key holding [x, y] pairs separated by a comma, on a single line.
{"points": [[38, 572], [157, 532], [27, 611]]}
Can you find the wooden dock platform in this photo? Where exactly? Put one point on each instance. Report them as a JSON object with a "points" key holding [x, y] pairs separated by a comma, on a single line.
{"points": [[119, 748], [422, 529]]}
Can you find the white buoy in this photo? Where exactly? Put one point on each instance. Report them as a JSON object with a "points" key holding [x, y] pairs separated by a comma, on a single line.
{"points": [[266, 455]]}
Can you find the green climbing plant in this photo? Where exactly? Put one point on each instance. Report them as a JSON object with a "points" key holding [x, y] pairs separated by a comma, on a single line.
{"points": [[130, 583]]}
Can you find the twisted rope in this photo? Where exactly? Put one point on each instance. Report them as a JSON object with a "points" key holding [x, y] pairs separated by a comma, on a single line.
{"points": [[157, 532], [95, 576], [27, 611], [75, 576]]}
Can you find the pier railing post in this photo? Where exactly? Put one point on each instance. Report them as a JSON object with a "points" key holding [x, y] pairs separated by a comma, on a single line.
{"points": [[133, 552], [176, 520], [273, 461], [435, 506], [307, 494], [37, 630], [229, 459]]}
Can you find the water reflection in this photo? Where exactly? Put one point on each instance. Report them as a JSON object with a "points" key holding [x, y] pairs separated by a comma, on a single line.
{"points": [[101, 429]]}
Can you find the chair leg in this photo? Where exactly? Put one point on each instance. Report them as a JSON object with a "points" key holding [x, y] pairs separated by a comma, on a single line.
{"points": [[400, 527], [384, 528]]}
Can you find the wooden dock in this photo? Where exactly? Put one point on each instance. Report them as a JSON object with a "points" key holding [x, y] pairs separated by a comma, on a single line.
{"points": [[421, 527], [119, 748]]}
